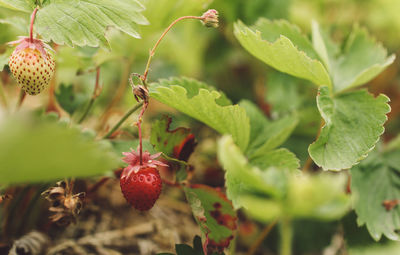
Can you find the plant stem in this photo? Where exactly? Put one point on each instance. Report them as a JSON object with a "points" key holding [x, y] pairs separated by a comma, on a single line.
{"points": [[348, 185], [118, 94], [97, 185], [21, 98], [145, 74], [3, 95], [309, 161], [146, 71], [87, 110], [139, 124], [261, 238], [33, 16], [127, 114], [307, 164], [286, 234], [94, 96], [52, 104]]}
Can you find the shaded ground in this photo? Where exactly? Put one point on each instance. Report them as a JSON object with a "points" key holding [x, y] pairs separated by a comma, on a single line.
{"points": [[108, 225]]}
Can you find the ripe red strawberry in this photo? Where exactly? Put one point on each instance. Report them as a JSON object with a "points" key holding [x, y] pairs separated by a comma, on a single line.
{"points": [[31, 65], [141, 189], [141, 183]]}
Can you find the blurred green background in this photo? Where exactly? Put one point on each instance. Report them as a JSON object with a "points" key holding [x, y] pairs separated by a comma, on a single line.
{"points": [[215, 56]]}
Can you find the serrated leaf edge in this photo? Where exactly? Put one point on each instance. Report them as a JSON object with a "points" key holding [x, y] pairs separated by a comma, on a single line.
{"points": [[389, 60], [367, 152], [277, 41], [212, 92]]}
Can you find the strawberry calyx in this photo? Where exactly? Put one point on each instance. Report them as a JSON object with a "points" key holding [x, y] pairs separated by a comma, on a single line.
{"points": [[35, 44], [133, 159]]}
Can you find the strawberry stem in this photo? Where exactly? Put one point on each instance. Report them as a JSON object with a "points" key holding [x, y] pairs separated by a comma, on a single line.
{"points": [[145, 74], [139, 124], [152, 52], [32, 21]]}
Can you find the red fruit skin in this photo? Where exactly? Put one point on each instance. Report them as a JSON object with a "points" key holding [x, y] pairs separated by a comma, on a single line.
{"points": [[31, 71], [141, 189]]}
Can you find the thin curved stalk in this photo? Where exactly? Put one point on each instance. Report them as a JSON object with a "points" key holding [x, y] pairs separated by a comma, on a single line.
{"points": [[146, 71], [96, 92], [21, 97], [253, 249], [122, 120]]}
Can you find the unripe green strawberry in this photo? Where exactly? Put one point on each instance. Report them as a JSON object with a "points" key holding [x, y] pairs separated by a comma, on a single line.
{"points": [[31, 65]]}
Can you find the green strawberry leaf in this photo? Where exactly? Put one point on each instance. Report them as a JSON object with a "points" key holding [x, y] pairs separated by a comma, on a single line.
{"points": [[178, 143], [274, 193], [373, 181], [266, 135], [214, 214], [261, 208], [361, 60], [18, 23], [37, 151], [205, 104], [242, 178], [279, 158], [273, 135], [68, 99], [319, 45], [85, 22], [258, 120], [284, 93], [353, 124], [18, 5], [282, 46], [319, 197]]}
